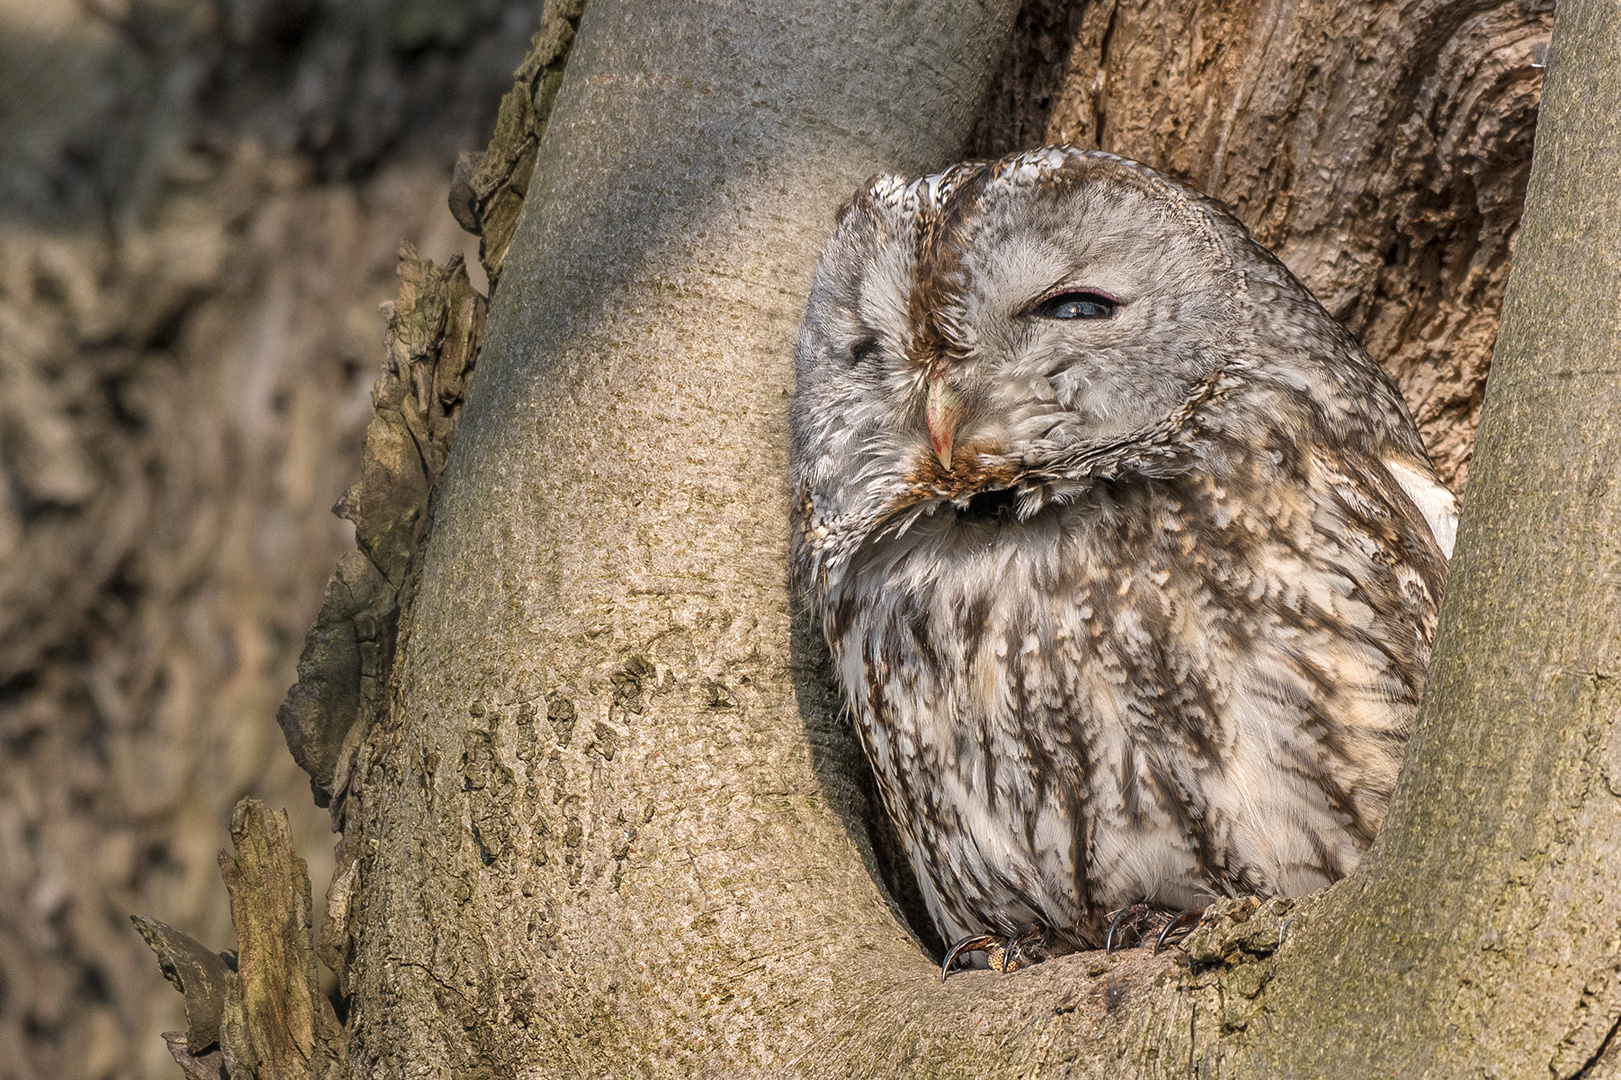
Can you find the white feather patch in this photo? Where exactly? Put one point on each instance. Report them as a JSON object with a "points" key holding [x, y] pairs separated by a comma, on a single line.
{"points": [[1433, 500]]}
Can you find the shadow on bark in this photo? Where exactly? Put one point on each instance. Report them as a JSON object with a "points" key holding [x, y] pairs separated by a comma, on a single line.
{"points": [[848, 783]]}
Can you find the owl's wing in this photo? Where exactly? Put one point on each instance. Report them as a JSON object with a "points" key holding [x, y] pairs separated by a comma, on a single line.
{"points": [[1434, 501]]}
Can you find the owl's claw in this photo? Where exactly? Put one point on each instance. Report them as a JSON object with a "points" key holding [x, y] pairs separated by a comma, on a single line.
{"points": [[1028, 946], [1009, 948], [1129, 917], [971, 943], [1183, 921]]}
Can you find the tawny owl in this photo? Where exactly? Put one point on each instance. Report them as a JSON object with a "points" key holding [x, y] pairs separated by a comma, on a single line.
{"points": [[1127, 554]]}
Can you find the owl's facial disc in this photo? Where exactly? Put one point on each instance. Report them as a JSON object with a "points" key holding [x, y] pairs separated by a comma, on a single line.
{"points": [[984, 349]]}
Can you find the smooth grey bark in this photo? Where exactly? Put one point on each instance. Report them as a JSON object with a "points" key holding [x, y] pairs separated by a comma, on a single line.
{"points": [[602, 826], [614, 823]]}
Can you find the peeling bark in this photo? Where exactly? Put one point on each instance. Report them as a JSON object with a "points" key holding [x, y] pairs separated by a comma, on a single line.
{"points": [[203, 977], [259, 1012], [278, 1025], [490, 185], [434, 330]]}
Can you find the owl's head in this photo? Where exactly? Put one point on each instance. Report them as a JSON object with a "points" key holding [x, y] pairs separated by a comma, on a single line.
{"points": [[1005, 334]]}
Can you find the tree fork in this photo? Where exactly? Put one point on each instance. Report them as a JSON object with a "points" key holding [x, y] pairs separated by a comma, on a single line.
{"points": [[1476, 934]]}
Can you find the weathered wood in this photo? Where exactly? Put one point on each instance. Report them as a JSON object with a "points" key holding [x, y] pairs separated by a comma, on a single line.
{"points": [[278, 1025], [435, 327], [203, 977], [490, 185]]}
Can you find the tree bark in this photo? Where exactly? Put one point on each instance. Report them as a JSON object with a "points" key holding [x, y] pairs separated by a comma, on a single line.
{"points": [[1488, 904]]}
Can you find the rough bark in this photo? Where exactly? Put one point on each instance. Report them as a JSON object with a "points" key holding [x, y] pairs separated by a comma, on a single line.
{"points": [[1492, 891], [435, 327], [191, 259], [676, 869], [259, 1011]]}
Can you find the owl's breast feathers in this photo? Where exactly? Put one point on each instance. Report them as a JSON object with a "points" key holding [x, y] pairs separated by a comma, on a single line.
{"points": [[1159, 687]]}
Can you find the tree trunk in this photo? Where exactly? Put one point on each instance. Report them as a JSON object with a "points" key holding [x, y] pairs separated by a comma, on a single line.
{"points": [[610, 819], [611, 815], [600, 813]]}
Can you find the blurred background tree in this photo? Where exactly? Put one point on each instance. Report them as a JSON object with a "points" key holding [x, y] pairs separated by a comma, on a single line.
{"points": [[200, 206]]}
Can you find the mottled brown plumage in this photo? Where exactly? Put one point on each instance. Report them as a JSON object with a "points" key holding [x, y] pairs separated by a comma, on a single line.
{"points": [[1127, 554]]}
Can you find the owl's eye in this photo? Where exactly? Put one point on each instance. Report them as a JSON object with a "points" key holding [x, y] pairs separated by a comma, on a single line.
{"points": [[862, 349], [1076, 305]]}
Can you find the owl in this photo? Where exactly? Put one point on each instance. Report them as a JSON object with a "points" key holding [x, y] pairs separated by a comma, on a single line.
{"points": [[1126, 553]]}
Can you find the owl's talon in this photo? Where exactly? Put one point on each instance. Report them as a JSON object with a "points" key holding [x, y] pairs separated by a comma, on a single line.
{"points": [[1009, 947], [1130, 916], [1184, 920], [971, 943], [1020, 949]]}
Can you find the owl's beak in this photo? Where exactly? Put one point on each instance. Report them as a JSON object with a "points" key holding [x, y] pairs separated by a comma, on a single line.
{"points": [[944, 412]]}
